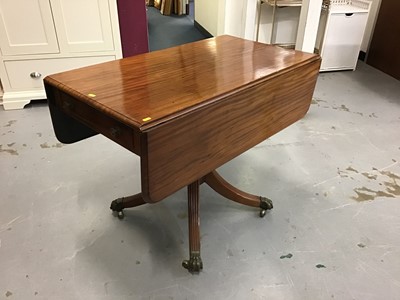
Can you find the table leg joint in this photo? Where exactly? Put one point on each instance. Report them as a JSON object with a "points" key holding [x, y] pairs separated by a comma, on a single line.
{"points": [[118, 205]]}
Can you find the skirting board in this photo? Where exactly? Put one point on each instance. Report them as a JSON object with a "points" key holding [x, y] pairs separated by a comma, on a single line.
{"points": [[17, 100], [202, 30]]}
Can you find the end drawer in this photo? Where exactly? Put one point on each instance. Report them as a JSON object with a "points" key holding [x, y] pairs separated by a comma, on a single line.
{"points": [[99, 121]]}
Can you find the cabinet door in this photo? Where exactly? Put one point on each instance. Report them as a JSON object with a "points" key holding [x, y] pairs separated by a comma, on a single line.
{"points": [[26, 27], [343, 39], [83, 25]]}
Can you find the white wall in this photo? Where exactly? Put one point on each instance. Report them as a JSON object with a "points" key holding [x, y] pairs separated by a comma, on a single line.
{"points": [[221, 16], [207, 14], [235, 17]]}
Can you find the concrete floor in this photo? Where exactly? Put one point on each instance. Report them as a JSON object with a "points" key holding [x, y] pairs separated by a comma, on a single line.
{"points": [[334, 232]]}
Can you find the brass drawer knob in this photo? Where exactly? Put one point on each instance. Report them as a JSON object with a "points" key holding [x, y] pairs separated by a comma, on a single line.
{"points": [[67, 105], [115, 132]]}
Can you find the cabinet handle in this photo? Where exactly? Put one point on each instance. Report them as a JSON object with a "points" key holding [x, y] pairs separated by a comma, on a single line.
{"points": [[348, 14], [35, 75]]}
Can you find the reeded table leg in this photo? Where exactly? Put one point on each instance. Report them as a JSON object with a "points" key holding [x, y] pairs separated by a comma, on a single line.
{"points": [[194, 264], [119, 204], [221, 186]]}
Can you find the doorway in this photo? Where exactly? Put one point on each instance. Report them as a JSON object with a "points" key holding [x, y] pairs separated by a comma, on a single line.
{"points": [[166, 31]]}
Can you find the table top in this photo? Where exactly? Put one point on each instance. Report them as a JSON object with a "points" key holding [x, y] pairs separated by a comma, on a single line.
{"points": [[145, 90], [186, 110]]}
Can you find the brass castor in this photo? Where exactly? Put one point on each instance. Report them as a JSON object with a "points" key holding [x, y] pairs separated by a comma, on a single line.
{"points": [[194, 264], [265, 204], [117, 208]]}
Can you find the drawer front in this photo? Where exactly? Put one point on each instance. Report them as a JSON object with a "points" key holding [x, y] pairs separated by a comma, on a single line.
{"points": [[29, 74], [99, 121]]}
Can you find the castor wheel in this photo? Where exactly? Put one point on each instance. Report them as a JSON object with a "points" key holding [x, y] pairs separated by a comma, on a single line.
{"points": [[117, 208], [120, 214], [265, 204], [185, 264]]}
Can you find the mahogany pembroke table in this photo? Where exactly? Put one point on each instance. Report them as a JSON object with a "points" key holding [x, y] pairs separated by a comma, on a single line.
{"points": [[186, 111]]}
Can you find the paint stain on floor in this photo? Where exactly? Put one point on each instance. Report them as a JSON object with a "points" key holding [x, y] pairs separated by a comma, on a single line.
{"points": [[389, 182], [351, 169], [9, 151], [370, 176], [373, 115], [10, 123], [47, 146], [342, 107], [365, 194], [346, 109], [290, 255], [317, 101]]}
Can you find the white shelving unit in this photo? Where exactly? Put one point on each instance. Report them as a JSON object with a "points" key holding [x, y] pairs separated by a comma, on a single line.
{"points": [[275, 4], [340, 33]]}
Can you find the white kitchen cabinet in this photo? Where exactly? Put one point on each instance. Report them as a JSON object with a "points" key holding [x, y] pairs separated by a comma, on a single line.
{"points": [[27, 27], [96, 32], [41, 37], [341, 32]]}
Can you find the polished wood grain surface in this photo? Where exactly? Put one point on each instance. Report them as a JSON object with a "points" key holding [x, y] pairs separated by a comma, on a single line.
{"points": [[188, 110], [181, 151], [146, 90]]}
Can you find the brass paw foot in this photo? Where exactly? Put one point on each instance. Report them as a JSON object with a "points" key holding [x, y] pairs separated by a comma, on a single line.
{"points": [[194, 264]]}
